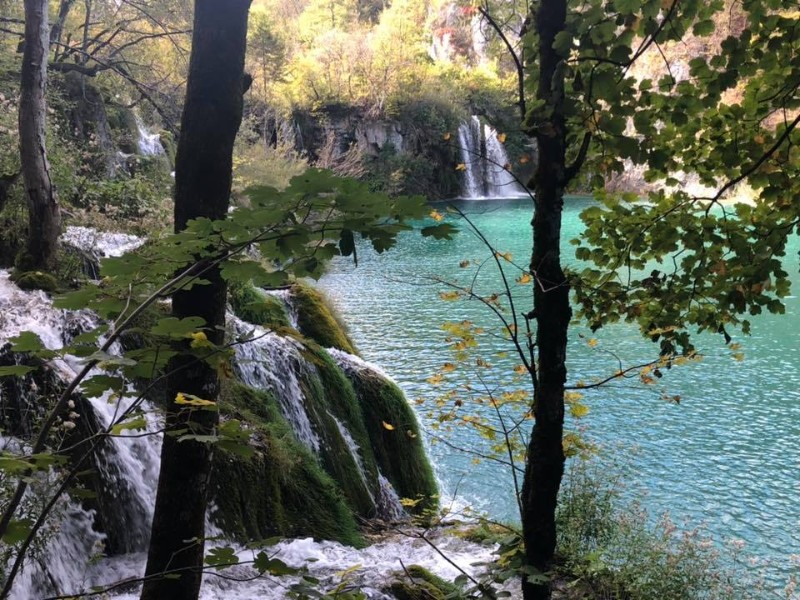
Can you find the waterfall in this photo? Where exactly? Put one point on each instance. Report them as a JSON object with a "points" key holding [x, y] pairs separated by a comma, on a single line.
{"points": [[289, 305], [149, 144], [273, 362], [72, 559], [485, 159], [128, 465]]}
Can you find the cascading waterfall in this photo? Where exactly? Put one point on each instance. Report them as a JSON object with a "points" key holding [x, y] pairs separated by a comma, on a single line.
{"points": [[273, 362], [485, 160], [128, 466], [149, 144], [71, 560], [289, 306], [387, 501]]}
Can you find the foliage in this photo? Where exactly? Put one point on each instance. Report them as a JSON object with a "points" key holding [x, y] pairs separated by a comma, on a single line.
{"points": [[610, 547]]}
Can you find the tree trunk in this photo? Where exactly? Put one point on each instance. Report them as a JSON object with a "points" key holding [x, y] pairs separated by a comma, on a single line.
{"points": [[44, 216], [545, 465], [212, 115], [58, 27]]}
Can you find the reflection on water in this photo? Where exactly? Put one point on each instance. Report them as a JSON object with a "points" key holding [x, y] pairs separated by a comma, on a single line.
{"points": [[727, 456]]}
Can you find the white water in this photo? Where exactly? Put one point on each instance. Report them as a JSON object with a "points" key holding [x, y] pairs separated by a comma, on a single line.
{"points": [[271, 362], [129, 466], [149, 143], [485, 161], [101, 243], [289, 305]]}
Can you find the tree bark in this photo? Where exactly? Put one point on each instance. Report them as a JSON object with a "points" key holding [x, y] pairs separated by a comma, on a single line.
{"points": [[212, 115], [545, 465], [44, 216]]}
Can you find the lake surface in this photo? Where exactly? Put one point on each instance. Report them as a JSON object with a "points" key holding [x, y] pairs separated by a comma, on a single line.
{"points": [[726, 457]]}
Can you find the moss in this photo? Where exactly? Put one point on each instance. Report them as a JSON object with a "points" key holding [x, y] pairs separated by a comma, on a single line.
{"points": [[421, 584], [35, 280], [317, 320], [329, 394], [281, 490], [254, 306], [399, 452]]}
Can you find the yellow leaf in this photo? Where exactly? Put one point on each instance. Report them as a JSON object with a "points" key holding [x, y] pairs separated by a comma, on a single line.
{"points": [[190, 400], [199, 340], [436, 215], [592, 342], [435, 379], [571, 397], [524, 159], [524, 278], [387, 426], [448, 367], [501, 137], [520, 370], [410, 434], [449, 296], [461, 167], [579, 410], [446, 136]]}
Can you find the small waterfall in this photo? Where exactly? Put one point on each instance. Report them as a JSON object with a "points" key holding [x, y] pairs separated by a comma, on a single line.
{"points": [[485, 160], [354, 450], [269, 361], [149, 144], [289, 305], [128, 465], [101, 243]]}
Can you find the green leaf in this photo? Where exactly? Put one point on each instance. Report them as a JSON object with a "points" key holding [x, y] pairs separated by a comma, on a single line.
{"points": [[442, 231], [15, 370], [138, 423], [17, 531], [703, 28], [221, 558], [175, 328], [27, 341], [274, 566]]}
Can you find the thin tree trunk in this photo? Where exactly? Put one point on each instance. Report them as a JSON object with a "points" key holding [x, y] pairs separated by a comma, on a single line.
{"points": [[212, 115], [58, 27], [545, 466], [44, 216]]}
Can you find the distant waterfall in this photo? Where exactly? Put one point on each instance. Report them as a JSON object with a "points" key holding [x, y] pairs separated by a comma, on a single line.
{"points": [[149, 144], [485, 160]]}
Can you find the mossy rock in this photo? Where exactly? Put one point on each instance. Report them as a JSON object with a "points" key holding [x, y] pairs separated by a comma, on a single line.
{"points": [[257, 307], [281, 490], [35, 280], [399, 452], [420, 584], [329, 397], [317, 320]]}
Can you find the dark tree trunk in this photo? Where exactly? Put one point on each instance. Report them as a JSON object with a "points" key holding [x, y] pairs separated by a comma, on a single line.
{"points": [[212, 115], [44, 216], [545, 466]]}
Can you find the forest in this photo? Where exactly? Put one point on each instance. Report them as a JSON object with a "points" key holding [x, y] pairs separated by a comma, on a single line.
{"points": [[399, 299]]}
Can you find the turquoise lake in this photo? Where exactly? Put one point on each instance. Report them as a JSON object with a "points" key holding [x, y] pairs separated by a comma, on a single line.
{"points": [[727, 457]]}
